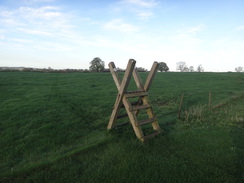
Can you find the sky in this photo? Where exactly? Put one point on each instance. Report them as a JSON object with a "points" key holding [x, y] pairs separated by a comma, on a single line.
{"points": [[65, 34]]}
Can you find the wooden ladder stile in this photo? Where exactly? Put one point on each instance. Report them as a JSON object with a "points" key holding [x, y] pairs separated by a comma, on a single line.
{"points": [[132, 109]]}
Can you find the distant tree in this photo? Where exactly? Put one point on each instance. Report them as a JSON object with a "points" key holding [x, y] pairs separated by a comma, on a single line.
{"points": [[162, 67], [118, 69], [181, 66], [96, 65], [141, 69], [191, 69], [185, 69], [200, 68], [239, 69]]}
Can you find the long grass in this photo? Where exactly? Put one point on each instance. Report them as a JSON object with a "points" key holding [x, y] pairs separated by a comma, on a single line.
{"points": [[53, 129]]}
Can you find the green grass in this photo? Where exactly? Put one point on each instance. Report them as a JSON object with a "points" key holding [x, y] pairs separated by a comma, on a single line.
{"points": [[53, 129]]}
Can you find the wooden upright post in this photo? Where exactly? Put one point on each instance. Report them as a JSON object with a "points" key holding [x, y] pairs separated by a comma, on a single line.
{"points": [[121, 87]]}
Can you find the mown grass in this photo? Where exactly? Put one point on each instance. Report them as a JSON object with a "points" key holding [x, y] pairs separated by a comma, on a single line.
{"points": [[53, 129]]}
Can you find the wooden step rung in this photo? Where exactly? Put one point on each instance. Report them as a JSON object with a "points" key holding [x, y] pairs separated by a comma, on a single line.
{"points": [[121, 124], [145, 121], [136, 94], [139, 107], [135, 91], [150, 136], [122, 116]]}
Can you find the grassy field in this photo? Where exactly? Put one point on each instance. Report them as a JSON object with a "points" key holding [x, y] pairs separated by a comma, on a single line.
{"points": [[53, 129]]}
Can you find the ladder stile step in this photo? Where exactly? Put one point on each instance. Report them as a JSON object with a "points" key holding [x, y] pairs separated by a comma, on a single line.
{"points": [[150, 136], [145, 121], [135, 108], [136, 94], [134, 91], [121, 124]]}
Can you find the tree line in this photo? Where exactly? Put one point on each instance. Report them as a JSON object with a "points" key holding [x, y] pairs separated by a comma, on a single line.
{"points": [[97, 65], [182, 67]]}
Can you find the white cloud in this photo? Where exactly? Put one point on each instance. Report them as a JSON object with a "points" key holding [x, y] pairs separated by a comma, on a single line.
{"points": [[35, 32], [120, 26], [191, 30], [142, 9], [240, 27], [145, 15], [195, 29], [21, 40], [10, 22], [141, 3], [45, 12], [44, 19], [37, 1]]}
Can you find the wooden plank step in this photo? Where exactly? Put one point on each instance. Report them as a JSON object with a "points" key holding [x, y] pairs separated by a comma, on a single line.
{"points": [[145, 121], [139, 107], [121, 124], [122, 116], [150, 136], [136, 94], [135, 91]]}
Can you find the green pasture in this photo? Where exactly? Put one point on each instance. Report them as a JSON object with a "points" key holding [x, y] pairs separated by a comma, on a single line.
{"points": [[53, 129]]}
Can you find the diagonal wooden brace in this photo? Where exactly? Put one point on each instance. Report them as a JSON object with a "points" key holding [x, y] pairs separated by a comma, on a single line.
{"points": [[149, 78], [122, 87], [148, 82], [146, 88]]}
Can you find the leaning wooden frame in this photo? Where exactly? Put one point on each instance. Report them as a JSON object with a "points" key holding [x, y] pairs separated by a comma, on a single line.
{"points": [[123, 97]]}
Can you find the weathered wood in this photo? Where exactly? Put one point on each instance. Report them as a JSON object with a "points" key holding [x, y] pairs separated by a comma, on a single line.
{"points": [[148, 81], [115, 75], [151, 76], [181, 102], [133, 119], [147, 137], [146, 121], [142, 103], [139, 107], [121, 124], [209, 100], [138, 80], [134, 91], [122, 89], [150, 114], [136, 94]]}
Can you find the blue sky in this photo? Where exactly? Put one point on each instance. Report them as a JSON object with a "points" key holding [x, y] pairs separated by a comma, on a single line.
{"points": [[70, 33]]}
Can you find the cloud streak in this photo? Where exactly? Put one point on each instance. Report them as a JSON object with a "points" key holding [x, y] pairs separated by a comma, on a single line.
{"points": [[141, 3], [191, 29], [46, 16], [142, 9], [36, 32], [119, 25], [37, 1], [240, 27]]}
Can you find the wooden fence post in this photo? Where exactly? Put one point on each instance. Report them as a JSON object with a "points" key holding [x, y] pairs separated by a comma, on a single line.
{"points": [[181, 101], [209, 100]]}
